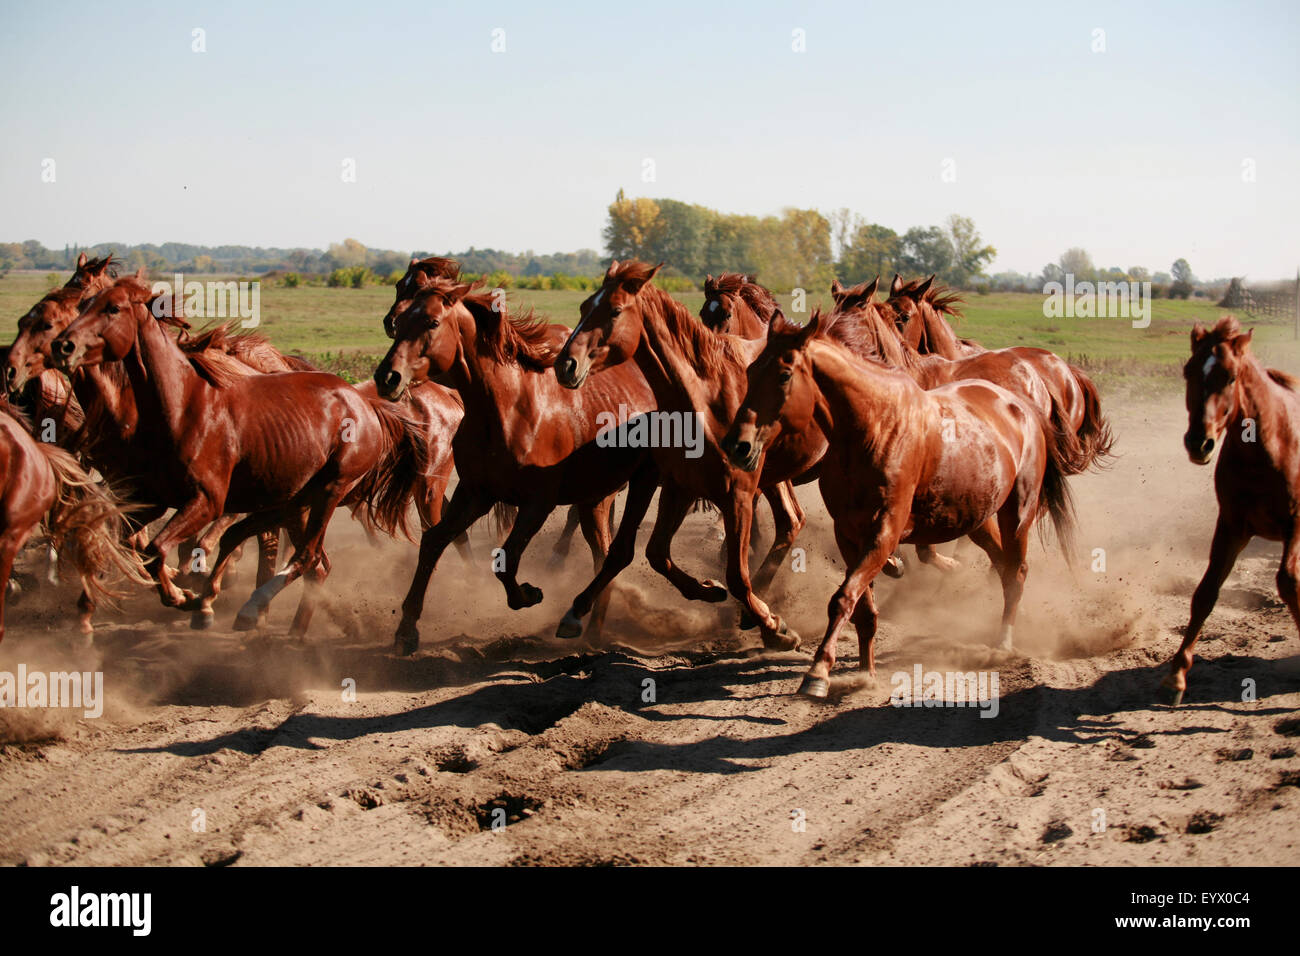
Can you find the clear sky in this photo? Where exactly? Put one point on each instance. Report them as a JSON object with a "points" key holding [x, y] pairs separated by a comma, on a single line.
{"points": [[1135, 153]]}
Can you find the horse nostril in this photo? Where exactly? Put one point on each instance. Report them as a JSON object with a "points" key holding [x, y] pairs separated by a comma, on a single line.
{"points": [[1207, 446], [392, 380], [741, 449], [64, 347], [11, 373]]}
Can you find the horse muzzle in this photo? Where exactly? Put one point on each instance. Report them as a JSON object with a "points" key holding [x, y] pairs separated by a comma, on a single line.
{"points": [[390, 384], [741, 453], [571, 373], [66, 354], [1200, 449]]}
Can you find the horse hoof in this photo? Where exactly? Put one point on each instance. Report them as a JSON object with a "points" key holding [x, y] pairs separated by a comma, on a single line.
{"points": [[747, 620], [202, 620], [406, 640], [528, 596], [245, 622], [570, 626], [714, 592], [894, 567], [1169, 696], [817, 687], [785, 638]]}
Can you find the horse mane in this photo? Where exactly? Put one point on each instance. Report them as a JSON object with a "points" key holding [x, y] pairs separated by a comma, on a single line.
{"points": [[710, 353], [515, 340], [860, 327], [758, 298], [942, 298], [437, 267]]}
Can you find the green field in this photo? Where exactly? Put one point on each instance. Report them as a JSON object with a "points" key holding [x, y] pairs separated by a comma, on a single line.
{"points": [[341, 328]]}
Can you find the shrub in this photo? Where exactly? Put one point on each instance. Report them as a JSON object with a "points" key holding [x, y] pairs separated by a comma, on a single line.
{"points": [[291, 280]]}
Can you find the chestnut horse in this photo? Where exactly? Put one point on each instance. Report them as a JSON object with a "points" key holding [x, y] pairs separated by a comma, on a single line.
{"points": [[524, 440], [1252, 414], [111, 440], [904, 464], [419, 275], [696, 372], [285, 449], [40, 482], [920, 313]]}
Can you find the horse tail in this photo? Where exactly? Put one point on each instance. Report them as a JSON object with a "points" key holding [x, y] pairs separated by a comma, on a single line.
{"points": [[87, 526], [385, 493], [503, 519], [1054, 493], [1095, 435]]}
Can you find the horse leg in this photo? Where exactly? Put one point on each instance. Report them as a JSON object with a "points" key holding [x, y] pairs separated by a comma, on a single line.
{"points": [[789, 520], [595, 528], [136, 541], [1014, 523], [738, 518], [1229, 539], [674, 504], [228, 547], [186, 521], [312, 581], [467, 506], [640, 491], [528, 522], [307, 554], [928, 555], [11, 542], [560, 550], [844, 604]]}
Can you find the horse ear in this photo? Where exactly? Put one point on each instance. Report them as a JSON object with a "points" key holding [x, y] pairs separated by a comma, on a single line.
{"points": [[836, 288], [139, 274], [613, 264], [1238, 343], [871, 289], [923, 288], [414, 261], [461, 289], [810, 329], [1198, 335], [896, 286], [81, 260]]}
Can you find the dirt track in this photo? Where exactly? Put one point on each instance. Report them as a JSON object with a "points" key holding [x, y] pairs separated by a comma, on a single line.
{"points": [[494, 714]]}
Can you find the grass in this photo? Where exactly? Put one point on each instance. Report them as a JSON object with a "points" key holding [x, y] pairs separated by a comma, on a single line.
{"points": [[341, 328]]}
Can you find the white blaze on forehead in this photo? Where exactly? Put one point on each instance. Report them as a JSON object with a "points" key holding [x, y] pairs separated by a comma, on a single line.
{"points": [[1209, 366], [583, 319], [713, 305]]}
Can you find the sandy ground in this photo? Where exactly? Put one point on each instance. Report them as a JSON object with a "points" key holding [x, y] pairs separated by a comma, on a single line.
{"points": [[676, 741]]}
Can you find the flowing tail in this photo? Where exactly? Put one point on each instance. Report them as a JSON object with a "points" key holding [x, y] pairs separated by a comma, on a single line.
{"points": [[1094, 434], [383, 497], [87, 526], [1054, 493]]}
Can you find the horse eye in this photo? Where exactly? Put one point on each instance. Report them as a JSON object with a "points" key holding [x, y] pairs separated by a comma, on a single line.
{"points": [[616, 311], [433, 323], [785, 377], [110, 309]]}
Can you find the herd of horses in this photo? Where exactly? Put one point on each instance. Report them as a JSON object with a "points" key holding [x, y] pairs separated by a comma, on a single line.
{"points": [[914, 435]]}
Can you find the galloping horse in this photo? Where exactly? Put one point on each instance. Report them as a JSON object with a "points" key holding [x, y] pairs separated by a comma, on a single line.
{"points": [[285, 449], [420, 273], [695, 372], [41, 482], [523, 440], [105, 427], [904, 464], [1252, 414], [920, 309]]}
